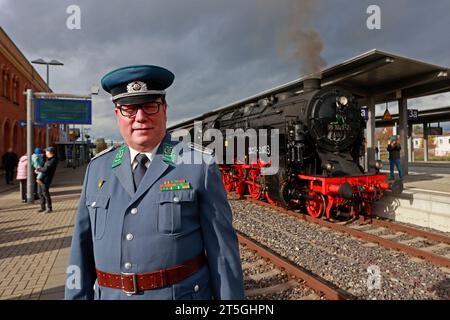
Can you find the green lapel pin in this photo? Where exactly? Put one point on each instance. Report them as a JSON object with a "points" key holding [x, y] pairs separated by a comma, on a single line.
{"points": [[119, 156], [168, 154]]}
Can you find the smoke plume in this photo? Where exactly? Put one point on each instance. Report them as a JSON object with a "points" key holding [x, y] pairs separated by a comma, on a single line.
{"points": [[300, 40]]}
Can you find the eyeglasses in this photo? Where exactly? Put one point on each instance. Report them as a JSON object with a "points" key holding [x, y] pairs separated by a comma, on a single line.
{"points": [[131, 110]]}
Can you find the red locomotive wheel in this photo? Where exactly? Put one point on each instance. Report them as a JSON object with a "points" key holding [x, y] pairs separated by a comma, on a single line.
{"points": [[316, 206], [255, 191], [227, 182], [240, 188], [254, 187], [239, 182]]}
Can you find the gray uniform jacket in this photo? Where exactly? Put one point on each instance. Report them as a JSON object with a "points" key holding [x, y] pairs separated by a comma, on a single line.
{"points": [[120, 230]]}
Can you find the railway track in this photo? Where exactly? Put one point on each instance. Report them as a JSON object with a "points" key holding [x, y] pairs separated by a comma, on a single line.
{"points": [[357, 266], [431, 247], [267, 275]]}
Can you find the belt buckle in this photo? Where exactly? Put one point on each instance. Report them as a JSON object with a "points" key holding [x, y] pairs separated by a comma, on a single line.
{"points": [[133, 275]]}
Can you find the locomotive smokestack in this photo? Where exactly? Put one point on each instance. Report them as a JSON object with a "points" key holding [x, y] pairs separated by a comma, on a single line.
{"points": [[311, 84]]}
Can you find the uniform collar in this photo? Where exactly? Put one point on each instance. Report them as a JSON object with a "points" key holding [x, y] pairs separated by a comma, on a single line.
{"points": [[150, 154]]}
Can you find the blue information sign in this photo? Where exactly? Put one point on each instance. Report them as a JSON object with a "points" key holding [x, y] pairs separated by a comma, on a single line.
{"points": [[63, 111]]}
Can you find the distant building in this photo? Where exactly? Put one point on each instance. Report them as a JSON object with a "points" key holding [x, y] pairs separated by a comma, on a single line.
{"points": [[442, 146], [16, 76]]}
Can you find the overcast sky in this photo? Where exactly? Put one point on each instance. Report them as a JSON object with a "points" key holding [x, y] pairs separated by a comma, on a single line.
{"points": [[220, 51]]}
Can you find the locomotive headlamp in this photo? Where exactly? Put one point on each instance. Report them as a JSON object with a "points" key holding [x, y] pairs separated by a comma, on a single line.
{"points": [[343, 100], [378, 164], [328, 166]]}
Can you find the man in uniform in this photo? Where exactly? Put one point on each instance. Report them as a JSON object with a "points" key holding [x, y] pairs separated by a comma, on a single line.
{"points": [[149, 226]]}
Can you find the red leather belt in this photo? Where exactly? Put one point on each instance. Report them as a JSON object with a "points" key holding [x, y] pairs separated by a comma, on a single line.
{"points": [[131, 283]]}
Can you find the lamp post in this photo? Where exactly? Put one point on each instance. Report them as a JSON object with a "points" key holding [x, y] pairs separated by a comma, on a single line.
{"points": [[51, 63]]}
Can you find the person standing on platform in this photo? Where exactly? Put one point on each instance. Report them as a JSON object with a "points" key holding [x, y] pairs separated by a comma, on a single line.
{"points": [[48, 169], [70, 160], [9, 162], [22, 177], [394, 157], [149, 226]]}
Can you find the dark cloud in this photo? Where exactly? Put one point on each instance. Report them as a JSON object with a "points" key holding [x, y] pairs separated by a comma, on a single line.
{"points": [[220, 51]]}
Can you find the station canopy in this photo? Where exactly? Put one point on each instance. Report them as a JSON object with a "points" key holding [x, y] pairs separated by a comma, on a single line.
{"points": [[383, 75]]}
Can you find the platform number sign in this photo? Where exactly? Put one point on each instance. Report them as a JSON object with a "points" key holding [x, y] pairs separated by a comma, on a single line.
{"points": [[413, 114], [365, 113]]}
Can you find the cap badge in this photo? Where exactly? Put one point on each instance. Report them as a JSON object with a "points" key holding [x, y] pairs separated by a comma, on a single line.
{"points": [[137, 86]]}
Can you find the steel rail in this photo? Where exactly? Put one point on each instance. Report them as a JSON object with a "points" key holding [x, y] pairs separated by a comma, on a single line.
{"points": [[329, 290], [412, 231], [428, 256]]}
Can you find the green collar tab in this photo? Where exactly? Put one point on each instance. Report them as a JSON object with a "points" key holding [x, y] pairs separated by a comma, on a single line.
{"points": [[119, 156], [168, 154]]}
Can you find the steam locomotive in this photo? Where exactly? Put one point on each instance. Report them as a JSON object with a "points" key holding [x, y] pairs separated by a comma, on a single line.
{"points": [[321, 142]]}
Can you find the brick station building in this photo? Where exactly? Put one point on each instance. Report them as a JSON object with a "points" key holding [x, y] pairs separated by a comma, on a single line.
{"points": [[16, 76]]}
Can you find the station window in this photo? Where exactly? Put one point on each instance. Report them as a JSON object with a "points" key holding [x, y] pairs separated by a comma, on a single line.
{"points": [[15, 91], [5, 84]]}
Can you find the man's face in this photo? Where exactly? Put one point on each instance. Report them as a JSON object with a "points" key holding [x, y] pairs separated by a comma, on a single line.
{"points": [[48, 154], [143, 132]]}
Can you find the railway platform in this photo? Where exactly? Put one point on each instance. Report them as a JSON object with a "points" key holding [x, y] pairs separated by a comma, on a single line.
{"points": [[34, 247], [425, 200]]}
